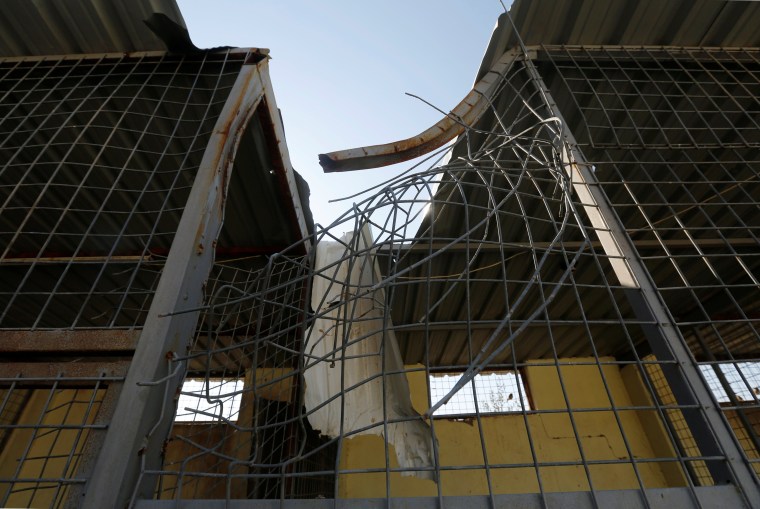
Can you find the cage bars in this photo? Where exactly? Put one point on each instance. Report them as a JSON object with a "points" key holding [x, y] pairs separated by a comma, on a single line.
{"points": [[101, 152], [164, 337], [531, 257]]}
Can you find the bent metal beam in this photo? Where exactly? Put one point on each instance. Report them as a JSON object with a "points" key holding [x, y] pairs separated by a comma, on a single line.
{"points": [[449, 127]]}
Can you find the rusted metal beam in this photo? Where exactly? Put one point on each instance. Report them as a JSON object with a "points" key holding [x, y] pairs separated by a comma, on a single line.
{"points": [[54, 371], [466, 113], [156, 255], [90, 340]]}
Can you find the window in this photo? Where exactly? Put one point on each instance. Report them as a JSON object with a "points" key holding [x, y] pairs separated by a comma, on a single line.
{"points": [[743, 378], [224, 396], [496, 393]]}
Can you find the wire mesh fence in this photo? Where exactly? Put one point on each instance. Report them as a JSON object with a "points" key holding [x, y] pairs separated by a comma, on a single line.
{"points": [[319, 375], [489, 264], [45, 427], [674, 140], [98, 158]]}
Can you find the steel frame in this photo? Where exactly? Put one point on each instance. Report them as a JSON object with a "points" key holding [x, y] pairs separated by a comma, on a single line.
{"points": [[124, 465], [666, 498], [709, 427], [135, 443]]}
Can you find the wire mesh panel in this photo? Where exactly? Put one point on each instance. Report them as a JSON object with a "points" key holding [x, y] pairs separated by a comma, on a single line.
{"points": [[486, 264], [45, 428], [674, 139], [236, 430], [98, 158]]}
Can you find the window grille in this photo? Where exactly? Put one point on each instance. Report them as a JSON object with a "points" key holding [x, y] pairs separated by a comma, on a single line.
{"points": [[215, 399], [493, 392]]}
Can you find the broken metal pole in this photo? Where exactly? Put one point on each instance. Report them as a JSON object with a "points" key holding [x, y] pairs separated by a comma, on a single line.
{"points": [[465, 114]]}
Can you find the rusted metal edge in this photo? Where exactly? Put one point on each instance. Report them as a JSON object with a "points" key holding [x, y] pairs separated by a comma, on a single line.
{"points": [[155, 255], [286, 187], [278, 150], [256, 55], [60, 371], [452, 125], [252, 55], [90, 340]]}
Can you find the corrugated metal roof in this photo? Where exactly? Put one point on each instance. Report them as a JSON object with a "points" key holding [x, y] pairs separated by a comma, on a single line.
{"points": [[51, 27], [654, 103], [711, 23]]}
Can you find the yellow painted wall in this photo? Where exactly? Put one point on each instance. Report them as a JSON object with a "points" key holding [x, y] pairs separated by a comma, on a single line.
{"points": [[47, 452], [653, 425], [192, 455], [505, 440]]}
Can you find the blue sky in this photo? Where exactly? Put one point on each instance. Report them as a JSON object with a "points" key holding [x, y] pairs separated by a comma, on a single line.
{"points": [[340, 70]]}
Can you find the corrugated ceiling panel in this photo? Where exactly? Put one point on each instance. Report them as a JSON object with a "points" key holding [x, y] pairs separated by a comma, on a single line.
{"points": [[627, 22], [49, 27]]}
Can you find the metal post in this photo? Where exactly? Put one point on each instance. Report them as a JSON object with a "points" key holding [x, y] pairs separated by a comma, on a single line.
{"points": [[708, 427], [144, 414]]}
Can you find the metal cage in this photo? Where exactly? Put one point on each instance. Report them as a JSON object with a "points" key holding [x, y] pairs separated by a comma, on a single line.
{"points": [[578, 271]]}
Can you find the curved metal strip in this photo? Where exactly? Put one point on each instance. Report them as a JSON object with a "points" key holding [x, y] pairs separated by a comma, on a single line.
{"points": [[449, 127]]}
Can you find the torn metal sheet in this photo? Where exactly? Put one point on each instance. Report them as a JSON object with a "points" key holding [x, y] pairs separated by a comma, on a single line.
{"points": [[355, 381]]}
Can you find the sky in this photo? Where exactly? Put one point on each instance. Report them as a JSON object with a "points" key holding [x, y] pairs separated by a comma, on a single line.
{"points": [[340, 70]]}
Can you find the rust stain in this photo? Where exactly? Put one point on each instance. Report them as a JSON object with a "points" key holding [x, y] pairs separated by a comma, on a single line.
{"points": [[64, 369], [221, 171], [256, 55], [273, 144], [12, 341], [375, 156], [392, 153], [240, 111]]}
